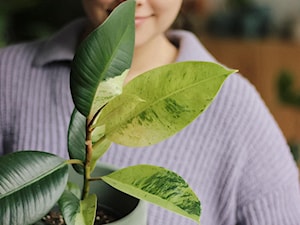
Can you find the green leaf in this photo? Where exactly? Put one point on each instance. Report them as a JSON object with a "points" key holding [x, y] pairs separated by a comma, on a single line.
{"points": [[31, 182], [159, 186], [76, 211], [74, 188], [103, 56], [99, 149], [69, 205], [76, 138], [172, 97], [88, 208]]}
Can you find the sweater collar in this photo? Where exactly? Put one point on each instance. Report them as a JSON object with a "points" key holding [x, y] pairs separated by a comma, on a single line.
{"points": [[62, 45], [190, 48]]}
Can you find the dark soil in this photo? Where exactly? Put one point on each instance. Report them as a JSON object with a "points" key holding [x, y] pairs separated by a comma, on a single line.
{"points": [[103, 216]]}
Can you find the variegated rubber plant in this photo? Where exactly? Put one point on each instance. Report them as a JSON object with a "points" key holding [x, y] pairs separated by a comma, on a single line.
{"points": [[147, 110]]}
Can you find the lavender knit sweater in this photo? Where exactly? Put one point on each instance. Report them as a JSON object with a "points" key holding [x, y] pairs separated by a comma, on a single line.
{"points": [[234, 155]]}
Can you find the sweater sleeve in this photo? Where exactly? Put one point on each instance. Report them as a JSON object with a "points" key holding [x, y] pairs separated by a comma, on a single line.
{"points": [[6, 61], [268, 191], [9, 66], [1, 104]]}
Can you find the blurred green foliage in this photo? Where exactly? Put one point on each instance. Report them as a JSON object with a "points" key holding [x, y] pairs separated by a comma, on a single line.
{"points": [[287, 92], [239, 3], [295, 149], [24, 20]]}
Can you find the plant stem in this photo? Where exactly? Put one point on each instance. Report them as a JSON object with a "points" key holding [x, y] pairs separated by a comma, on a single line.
{"points": [[87, 164], [95, 178]]}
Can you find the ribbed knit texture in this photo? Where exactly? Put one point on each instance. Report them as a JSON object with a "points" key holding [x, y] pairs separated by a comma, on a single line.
{"points": [[234, 155]]}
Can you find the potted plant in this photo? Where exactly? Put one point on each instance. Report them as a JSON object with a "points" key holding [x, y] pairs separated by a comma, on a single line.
{"points": [[147, 110]]}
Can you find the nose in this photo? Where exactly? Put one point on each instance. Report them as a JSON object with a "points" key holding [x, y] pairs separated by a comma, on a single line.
{"points": [[140, 2]]}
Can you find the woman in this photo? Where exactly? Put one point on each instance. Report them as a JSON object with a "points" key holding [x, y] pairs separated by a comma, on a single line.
{"points": [[233, 155]]}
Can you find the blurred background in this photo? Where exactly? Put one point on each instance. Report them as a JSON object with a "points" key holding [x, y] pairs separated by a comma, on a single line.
{"points": [[260, 38], [24, 20]]}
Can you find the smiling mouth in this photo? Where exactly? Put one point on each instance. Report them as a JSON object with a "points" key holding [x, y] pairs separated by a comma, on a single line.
{"points": [[139, 20]]}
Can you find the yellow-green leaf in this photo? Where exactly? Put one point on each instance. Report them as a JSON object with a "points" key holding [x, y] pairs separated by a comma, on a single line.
{"points": [[88, 208], [159, 186], [173, 96]]}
